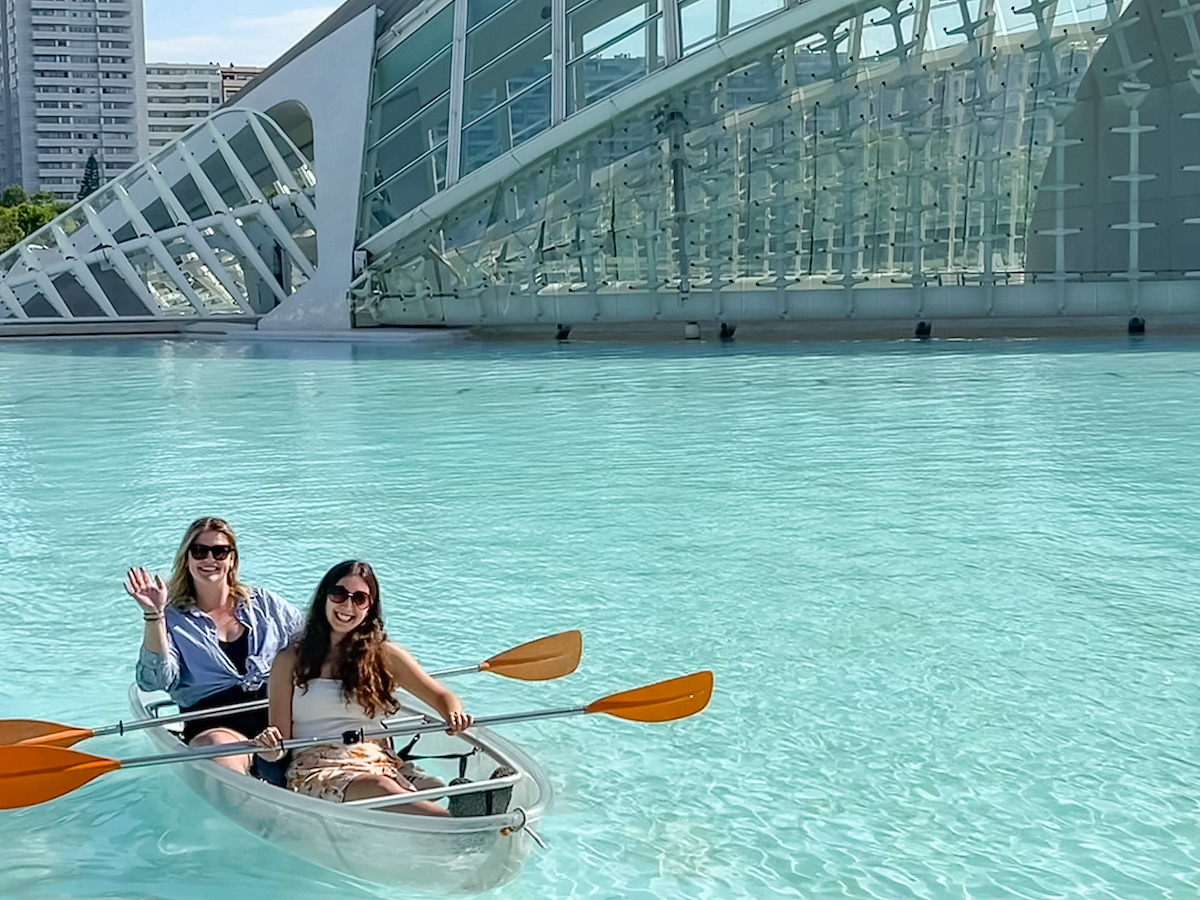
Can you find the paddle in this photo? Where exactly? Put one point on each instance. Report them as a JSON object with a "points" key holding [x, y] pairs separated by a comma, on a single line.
{"points": [[541, 660], [35, 773]]}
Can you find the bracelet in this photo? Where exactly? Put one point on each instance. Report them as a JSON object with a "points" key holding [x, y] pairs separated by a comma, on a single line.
{"points": [[157, 618]]}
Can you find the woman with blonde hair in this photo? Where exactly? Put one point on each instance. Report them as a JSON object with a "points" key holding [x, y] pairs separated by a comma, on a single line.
{"points": [[209, 640], [341, 676]]}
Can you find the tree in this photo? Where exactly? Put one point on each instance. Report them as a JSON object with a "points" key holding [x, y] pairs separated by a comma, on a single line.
{"points": [[22, 214], [13, 195], [91, 178]]}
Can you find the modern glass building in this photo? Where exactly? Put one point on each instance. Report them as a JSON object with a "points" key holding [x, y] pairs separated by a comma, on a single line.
{"points": [[693, 166]]}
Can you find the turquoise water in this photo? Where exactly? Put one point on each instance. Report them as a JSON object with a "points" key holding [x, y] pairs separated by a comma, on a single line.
{"points": [[948, 591]]}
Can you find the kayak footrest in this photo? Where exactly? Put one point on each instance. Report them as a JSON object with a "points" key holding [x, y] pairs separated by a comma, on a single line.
{"points": [[434, 793]]}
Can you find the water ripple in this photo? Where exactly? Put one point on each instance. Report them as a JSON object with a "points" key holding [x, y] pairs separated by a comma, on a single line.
{"points": [[947, 590]]}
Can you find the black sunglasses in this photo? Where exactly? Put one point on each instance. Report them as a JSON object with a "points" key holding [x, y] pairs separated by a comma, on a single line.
{"points": [[338, 594], [201, 551]]}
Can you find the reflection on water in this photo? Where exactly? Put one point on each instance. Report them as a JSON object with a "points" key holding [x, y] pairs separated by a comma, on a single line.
{"points": [[947, 590]]}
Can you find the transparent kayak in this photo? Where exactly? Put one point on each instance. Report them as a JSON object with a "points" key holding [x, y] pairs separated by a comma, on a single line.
{"points": [[445, 855]]}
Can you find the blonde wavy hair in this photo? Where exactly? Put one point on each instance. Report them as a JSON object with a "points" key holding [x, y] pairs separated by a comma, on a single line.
{"points": [[181, 591]]}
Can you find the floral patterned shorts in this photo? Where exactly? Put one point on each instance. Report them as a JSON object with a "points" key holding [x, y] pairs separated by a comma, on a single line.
{"points": [[326, 770]]}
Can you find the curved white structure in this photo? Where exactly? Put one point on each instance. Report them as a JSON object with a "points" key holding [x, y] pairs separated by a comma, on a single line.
{"points": [[836, 165]]}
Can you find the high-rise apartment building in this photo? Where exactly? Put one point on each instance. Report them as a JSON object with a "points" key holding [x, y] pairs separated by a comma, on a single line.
{"points": [[234, 78], [74, 84], [178, 95]]}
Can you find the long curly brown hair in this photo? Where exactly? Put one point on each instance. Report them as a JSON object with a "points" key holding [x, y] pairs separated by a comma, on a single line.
{"points": [[359, 665], [181, 589]]}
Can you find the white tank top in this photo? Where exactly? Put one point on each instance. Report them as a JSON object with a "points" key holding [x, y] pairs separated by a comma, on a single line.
{"points": [[318, 710]]}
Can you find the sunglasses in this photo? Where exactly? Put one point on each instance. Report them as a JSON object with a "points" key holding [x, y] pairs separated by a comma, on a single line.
{"points": [[339, 595], [201, 551]]}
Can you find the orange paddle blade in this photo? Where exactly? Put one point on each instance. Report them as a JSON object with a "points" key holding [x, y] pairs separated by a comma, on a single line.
{"points": [[540, 660], [35, 731], [661, 702], [32, 774]]}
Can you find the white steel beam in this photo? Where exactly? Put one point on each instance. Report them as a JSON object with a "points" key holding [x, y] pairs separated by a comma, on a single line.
{"points": [[157, 249], [267, 214], [196, 239], [82, 274], [11, 301], [558, 61], [458, 71], [282, 172], [44, 284], [247, 247], [123, 267]]}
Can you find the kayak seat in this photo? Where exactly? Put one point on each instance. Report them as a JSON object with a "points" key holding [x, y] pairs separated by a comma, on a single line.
{"points": [[271, 772], [483, 803]]}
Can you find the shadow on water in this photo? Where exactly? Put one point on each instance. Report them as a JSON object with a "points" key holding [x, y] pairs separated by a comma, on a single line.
{"points": [[460, 345]]}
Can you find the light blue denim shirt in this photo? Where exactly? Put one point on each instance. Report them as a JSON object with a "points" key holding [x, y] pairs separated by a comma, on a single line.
{"points": [[195, 666]]}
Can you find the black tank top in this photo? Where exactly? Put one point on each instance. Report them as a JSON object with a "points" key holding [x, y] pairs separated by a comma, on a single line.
{"points": [[238, 650], [248, 723]]}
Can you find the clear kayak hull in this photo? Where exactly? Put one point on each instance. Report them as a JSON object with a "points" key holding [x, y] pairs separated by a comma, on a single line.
{"points": [[444, 855]]}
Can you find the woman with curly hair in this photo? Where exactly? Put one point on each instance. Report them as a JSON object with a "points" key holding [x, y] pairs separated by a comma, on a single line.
{"points": [[340, 676], [208, 639]]}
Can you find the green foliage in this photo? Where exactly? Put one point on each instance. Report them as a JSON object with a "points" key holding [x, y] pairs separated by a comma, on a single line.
{"points": [[22, 214], [91, 178], [14, 195]]}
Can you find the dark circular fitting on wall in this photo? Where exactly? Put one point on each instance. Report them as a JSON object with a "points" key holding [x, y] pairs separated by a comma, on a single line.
{"points": [[727, 331], [562, 333], [924, 329], [1137, 325]]}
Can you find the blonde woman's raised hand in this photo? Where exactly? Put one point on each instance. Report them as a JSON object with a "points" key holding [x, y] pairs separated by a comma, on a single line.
{"points": [[150, 591]]}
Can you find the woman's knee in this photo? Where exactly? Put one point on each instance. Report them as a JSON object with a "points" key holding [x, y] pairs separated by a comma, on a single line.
{"points": [[217, 736], [373, 786]]}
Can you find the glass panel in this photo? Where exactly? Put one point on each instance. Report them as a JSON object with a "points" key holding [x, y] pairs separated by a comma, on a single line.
{"points": [[478, 10], [76, 297], [507, 76], [428, 129], [117, 290], [282, 145], [156, 215], [187, 192], [414, 51], [742, 12], [612, 44], [406, 101], [508, 126], [698, 23], [218, 172], [506, 31], [245, 146], [408, 190]]}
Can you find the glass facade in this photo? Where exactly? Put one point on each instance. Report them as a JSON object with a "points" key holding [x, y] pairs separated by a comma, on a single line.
{"points": [[522, 68], [907, 143]]}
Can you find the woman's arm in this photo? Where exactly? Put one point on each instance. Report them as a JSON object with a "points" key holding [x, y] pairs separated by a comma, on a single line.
{"points": [[280, 687], [158, 662], [410, 676]]}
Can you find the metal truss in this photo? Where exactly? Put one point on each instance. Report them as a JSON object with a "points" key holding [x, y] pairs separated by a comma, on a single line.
{"points": [[221, 222]]}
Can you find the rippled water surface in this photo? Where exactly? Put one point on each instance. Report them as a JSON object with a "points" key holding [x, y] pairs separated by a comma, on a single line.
{"points": [[949, 592]]}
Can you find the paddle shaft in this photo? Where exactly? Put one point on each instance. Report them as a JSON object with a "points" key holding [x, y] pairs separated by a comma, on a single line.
{"points": [[297, 743], [248, 706]]}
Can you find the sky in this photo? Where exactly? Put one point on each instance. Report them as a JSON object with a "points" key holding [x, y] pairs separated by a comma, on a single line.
{"points": [[243, 32]]}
